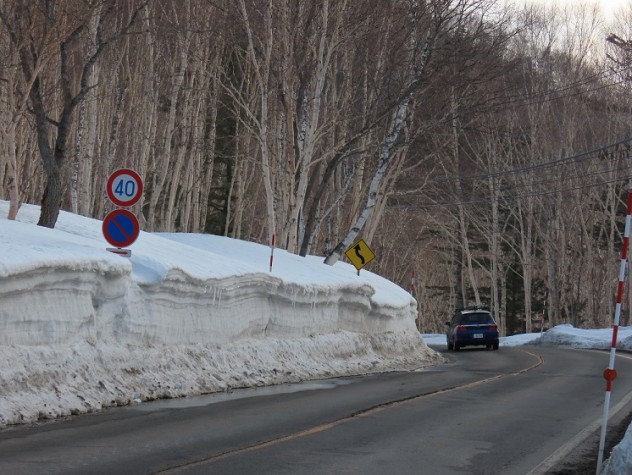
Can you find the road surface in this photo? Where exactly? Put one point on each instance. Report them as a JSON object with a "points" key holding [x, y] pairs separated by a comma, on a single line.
{"points": [[513, 411]]}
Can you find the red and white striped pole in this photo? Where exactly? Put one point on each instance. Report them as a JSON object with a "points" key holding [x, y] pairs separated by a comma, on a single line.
{"points": [[271, 252], [609, 373], [546, 297]]}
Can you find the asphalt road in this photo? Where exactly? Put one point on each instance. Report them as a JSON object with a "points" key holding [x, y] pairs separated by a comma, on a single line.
{"points": [[513, 411]]}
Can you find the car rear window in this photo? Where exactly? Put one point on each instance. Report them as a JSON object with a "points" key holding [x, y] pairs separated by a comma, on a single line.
{"points": [[477, 318]]}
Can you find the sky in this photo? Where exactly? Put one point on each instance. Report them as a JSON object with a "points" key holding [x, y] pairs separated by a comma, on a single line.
{"points": [[609, 7], [82, 329]]}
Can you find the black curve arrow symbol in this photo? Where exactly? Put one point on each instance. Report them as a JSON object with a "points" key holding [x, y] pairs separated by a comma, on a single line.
{"points": [[357, 251]]}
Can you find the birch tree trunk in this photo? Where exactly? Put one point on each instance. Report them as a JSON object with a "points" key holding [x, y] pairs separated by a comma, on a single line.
{"points": [[462, 219], [149, 116], [8, 159], [309, 123], [87, 127], [12, 175], [494, 187], [386, 155], [14, 107], [417, 62], [262, 74], [164, 165], [187, 111], [382, 196], [526, 219], [209, 145]]}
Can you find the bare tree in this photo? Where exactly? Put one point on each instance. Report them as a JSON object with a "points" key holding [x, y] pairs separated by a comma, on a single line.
{"points": [[16, 92], [61, 27], [426, 24]]}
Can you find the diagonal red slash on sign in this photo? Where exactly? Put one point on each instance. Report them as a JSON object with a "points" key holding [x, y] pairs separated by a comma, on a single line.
{"points": [[122, 230], [115, 231]]}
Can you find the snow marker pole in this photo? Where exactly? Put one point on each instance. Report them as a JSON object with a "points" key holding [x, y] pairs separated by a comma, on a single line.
{"points": [[271, 252], [412, 283], [609, 373], [546, 297]]}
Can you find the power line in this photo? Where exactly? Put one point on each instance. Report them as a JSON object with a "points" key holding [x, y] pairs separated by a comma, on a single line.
{"points": [[538, 186], [536, 166], [514, 197], [555, 94]]}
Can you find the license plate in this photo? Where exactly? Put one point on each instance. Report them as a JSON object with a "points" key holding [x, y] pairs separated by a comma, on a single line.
{"points": [[478, 335]]}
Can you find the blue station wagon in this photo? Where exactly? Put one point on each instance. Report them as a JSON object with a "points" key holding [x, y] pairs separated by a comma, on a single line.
{"points": [[472, 326]]}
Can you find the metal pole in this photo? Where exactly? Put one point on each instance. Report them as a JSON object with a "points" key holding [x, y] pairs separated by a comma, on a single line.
{"points": [[271, 252], [609, 373], [546, 297]]}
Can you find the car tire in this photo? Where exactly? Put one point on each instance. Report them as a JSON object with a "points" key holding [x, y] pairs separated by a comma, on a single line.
{"points": [[496, 346], [457, 347], [450, 346]]}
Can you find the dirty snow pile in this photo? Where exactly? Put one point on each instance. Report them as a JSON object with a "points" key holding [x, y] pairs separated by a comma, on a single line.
{"points": [[82, 328]]}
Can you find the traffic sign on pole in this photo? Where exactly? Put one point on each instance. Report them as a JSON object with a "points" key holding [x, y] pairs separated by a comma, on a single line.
{"points": [[124, 187], [360, 254], [120, 228]]}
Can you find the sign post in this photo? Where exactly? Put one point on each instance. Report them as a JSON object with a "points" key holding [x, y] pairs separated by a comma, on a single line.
{"points": [[120, 227], [360, 254]]}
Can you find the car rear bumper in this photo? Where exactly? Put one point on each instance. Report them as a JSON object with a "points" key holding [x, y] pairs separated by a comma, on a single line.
{"points": [[476, 341]]}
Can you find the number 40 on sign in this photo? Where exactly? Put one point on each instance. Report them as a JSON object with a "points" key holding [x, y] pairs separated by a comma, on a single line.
{"points": [[124, 187]]}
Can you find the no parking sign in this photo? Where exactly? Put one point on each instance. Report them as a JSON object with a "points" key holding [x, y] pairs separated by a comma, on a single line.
{"points": [[120, 227]]}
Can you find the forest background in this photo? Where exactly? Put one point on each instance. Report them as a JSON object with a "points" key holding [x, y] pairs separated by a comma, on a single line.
{"points": [[481, 149]]}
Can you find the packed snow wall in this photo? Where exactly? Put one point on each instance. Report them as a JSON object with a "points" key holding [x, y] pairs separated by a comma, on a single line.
{"points": [[60, 303], [82, 329]]}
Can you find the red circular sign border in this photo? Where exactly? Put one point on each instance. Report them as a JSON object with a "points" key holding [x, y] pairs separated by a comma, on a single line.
{"points": [[113, 214], [115, 174]]}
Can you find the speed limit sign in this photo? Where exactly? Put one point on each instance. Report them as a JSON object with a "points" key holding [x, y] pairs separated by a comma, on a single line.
{"points": [[125, 187]]}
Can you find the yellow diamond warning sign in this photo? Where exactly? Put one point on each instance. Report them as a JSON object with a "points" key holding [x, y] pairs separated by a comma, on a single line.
{"points": [[360, 254]]}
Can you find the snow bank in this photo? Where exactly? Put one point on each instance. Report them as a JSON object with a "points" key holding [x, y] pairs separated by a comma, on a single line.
{"points": [[49, 381], [568, 335], [620, 460], [82, 329]]}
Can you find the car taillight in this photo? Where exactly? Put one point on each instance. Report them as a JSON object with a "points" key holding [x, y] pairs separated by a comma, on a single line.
{"points": [[461, 328], [493, 327]]}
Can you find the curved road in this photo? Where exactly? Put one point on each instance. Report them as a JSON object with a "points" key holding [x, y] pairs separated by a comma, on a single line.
{"points": [[513, 411]]}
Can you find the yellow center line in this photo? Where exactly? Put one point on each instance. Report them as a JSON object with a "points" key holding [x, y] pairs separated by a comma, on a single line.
{"points": [[362, 413]]}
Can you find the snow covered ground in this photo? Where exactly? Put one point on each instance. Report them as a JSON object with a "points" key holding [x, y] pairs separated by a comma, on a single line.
{"points": [[82, 329]]}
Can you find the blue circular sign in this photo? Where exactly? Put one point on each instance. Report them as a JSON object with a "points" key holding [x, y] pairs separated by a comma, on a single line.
{"points": [[121, 228]]}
